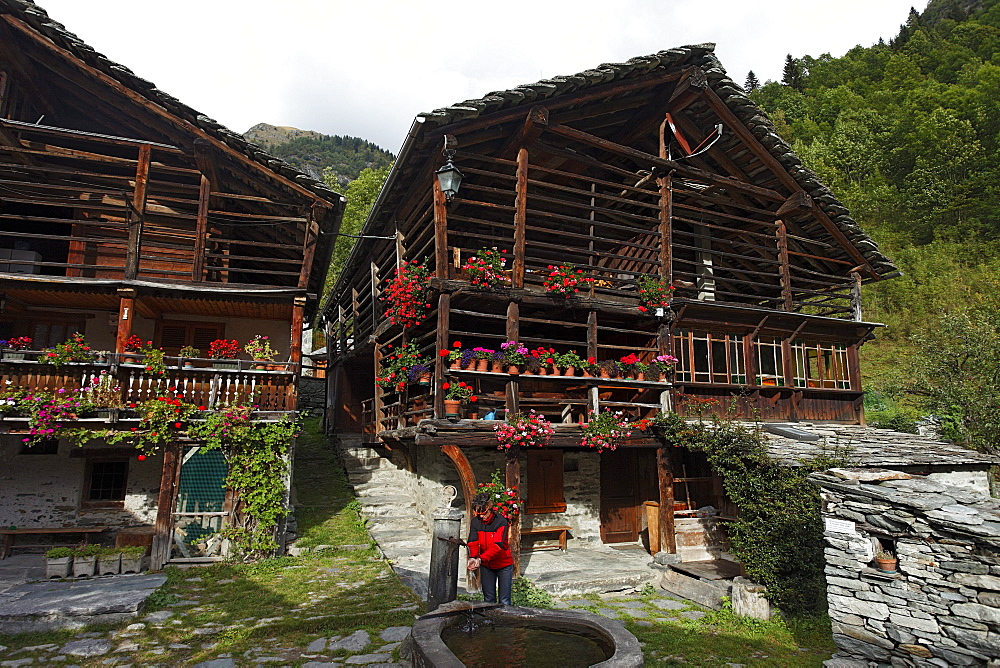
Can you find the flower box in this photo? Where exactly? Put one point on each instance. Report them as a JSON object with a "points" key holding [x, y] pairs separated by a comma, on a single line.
{"points": [[84, 566], [59, 567], [109, 564], [131, 563]]}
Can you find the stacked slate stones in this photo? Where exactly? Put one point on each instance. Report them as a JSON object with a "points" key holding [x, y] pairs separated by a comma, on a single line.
{"points": [[942, 605]]}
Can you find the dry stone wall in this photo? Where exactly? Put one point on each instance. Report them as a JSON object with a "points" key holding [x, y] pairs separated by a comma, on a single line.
{"points": [[942, 606]]}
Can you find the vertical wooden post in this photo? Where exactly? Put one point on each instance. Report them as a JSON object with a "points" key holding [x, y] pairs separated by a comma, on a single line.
{"points": [[126, 314], [137, 214], [520, 217], [163, 531], [310, 237], [786, 273], [440, 232], [201, 230], [374, 289], [856, 295], [295, 349], [400, 248], [665, 479], [443, 327], [513, 333], [665, 342], [666, 228], [512, 478], [378, 404], [594, 398]]}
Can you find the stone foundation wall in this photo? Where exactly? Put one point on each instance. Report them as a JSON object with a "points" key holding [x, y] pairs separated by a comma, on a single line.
{"points": [[45, 490], [942, 607], [580, 486]]}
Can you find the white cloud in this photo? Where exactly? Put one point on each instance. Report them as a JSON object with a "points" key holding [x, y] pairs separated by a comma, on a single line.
{"points": [[367, 68]]}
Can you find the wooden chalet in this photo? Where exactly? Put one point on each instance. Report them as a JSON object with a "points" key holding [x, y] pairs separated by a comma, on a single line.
{"points": [[124, 212], [660, 166]]}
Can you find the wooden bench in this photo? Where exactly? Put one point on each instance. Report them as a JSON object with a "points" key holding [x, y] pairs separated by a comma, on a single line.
{"points": [[559, 530], [8, 536]]}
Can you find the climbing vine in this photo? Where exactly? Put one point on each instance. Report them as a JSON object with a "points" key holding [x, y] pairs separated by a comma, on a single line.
{"points": [[257, 457], [779, 534]]}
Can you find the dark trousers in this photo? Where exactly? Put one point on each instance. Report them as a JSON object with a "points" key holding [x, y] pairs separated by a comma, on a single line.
{"points": [[490, 577]]}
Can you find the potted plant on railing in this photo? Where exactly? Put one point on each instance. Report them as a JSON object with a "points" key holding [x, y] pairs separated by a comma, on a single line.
{"points": [[187, 353], [564, 280], [132, 558], [483, 356], [627, 365], [454, 355], [545, 359], [104, 393], [589, 367], [396, 364], [260, 351], [59, 562], [14, 347], [531, 430], [73, 349], [568, 362], [153, 360], [420, 373], [607, 369], [85, 560], [486, 269], [133, 344], [654, 294], [406, 294], [223, 353], [457, 394], [605, 430], [48, 414], [515, 355]]}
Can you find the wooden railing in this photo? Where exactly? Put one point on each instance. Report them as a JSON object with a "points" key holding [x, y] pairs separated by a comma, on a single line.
{"points": [[272, 389]]}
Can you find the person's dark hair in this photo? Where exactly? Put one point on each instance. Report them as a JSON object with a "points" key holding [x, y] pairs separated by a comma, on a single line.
{"points": [[482, 501]]}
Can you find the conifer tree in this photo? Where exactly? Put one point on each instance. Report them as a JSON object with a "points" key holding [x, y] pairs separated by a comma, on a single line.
{"points": [[791, 75], [752, 83]]}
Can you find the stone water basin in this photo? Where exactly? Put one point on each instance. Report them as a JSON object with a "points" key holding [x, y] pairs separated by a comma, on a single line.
{"points": [[486, 634]]}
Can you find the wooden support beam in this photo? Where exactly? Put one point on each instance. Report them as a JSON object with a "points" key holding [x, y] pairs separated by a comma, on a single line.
{"points": [[201, 230], [440, 231], [137, 214], [520, 216], [665, 481], [534, 123], [666, 228], [512, 477], [163, 531], [465, 474], [126, 314], [513, 333], [646, 159], [311, 237]]}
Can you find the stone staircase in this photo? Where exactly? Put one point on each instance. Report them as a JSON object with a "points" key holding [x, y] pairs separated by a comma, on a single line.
{"points": [[389, 510]]}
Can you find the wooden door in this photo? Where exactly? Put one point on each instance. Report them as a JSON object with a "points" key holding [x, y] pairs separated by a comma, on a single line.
{"points": [[628, 477]]}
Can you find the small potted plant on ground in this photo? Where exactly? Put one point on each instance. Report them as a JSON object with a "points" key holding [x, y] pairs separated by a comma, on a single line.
{"points": [[59, 562], [132, 558], [456, 395], [85, 560], [109, 561], [224, 352], [15, 346], [886, 560], [260, 351], [486, 269], [188, 352], [568, 362]]}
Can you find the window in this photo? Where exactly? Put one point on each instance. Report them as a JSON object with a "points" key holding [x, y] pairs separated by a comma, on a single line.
{"points": [[545, 482], [172, 336], [105, 482], [820, 365], [708, 357], [770, 368], [44, 333]]}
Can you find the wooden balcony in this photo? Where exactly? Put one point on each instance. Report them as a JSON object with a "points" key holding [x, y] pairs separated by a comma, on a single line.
{"points": [[273, 389]]}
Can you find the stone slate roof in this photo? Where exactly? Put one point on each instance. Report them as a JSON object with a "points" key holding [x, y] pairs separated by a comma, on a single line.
{"points": [[703, 56], [39, 19], [867, 447]]}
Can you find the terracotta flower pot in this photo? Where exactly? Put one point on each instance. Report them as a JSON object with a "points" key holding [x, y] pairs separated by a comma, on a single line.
{"points": [[456, 365], [541, 371], [603, 373], [451, 407], [514, 370], [569, 371], [482, 365], [424, 378], [472, 415], [887, 565]]}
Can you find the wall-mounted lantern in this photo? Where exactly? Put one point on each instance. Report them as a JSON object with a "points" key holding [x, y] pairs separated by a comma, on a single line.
{"points": [[449, 177]]}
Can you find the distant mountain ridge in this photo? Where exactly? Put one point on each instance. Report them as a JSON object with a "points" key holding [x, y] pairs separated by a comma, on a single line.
{"points": [[314, 153]]}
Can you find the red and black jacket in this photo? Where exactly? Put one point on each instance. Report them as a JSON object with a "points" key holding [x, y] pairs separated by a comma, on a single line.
{"points": [[489, 541]]}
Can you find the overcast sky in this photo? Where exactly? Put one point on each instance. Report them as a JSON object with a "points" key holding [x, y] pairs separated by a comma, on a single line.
{"points": [[367, 67]]}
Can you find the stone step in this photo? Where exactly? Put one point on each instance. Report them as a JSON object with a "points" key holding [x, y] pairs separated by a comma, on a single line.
{"points": [[611, 581], [708, 593]]}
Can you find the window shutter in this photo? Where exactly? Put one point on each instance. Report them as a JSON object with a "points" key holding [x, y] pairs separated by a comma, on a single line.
{"points": [[172, 338], [203, 336], [545, 482], [175, 335]]}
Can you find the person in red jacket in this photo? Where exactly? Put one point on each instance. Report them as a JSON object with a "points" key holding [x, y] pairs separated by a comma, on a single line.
{"points": [[489, 549]]}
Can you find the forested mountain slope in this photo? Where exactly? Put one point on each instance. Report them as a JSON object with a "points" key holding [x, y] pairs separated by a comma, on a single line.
{"points": [[907, 133]]}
